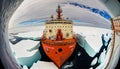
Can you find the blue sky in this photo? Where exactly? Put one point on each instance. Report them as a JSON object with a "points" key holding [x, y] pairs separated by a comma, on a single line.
{"points": [[102, 13]]}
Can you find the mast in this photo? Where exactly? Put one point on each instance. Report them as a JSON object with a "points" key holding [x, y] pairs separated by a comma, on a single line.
{"points": [[59, 11]]}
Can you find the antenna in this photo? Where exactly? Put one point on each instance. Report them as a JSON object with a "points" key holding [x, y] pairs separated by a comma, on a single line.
{"points": [[59, 11]]}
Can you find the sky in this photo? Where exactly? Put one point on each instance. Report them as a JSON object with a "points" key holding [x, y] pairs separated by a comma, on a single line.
{"points": [[92, 12]]}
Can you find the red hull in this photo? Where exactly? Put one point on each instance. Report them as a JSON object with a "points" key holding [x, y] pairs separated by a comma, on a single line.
{"points": [[59, 51]]}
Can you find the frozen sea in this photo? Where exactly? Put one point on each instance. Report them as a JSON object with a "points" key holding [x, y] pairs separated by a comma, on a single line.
{"points": [[25, 45]]}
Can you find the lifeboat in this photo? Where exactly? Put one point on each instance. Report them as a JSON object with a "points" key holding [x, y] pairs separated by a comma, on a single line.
{"points": [[58, 40]]}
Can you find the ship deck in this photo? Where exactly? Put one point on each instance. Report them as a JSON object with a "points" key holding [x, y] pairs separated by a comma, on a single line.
{"points": [[59, 43]]}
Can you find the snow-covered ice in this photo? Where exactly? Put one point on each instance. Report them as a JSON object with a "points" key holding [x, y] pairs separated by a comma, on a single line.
{"points": [[91, 38], [94, 61], [44, 65], [22, 53], [21, 48]]}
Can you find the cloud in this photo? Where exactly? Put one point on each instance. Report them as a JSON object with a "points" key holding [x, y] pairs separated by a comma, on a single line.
{"points": [[76, 10]]}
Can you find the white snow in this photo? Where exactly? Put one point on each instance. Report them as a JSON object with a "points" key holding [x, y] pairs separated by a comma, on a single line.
{"points": [[69, 65], [28, 31], [115, 56], [94, 61], [31, 34], [103, 60], [25, 67], [102, 57], [21, 48], [22, 53], [44, 65], [91, 36]]}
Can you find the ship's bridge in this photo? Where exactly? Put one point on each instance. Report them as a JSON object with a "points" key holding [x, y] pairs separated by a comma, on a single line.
{"points": [[51, 29]]}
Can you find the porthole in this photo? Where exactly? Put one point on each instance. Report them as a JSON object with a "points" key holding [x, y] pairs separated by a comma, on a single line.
{"points": [[67, 34], [50, 30]]}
